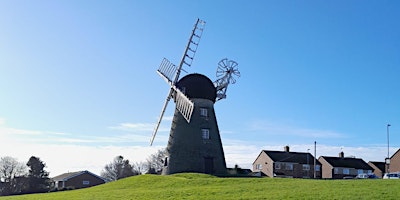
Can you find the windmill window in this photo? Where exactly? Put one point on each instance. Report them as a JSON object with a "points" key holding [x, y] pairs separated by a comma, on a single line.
{"points": [[205, 133], [203, 112], [166, 161]]}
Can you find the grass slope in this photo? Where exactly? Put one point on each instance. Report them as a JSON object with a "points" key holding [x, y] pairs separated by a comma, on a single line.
{"points": [[200, 186]]}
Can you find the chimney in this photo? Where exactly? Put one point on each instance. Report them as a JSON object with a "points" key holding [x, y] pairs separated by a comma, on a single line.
{"points": [[341, 154], [286, 148]]}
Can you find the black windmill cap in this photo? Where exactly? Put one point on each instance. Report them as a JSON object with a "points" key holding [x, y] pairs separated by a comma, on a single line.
{"points": [[197, 86]]}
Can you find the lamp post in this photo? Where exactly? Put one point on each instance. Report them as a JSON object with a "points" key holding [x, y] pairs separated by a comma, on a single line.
{"points": [[308, 170], [387, 160], [315, 160]]}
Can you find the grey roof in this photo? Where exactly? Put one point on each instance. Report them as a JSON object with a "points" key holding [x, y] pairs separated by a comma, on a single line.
{"points": [[379, 165], [291, 157], [347, 162], [66, 176], [69, 175]]}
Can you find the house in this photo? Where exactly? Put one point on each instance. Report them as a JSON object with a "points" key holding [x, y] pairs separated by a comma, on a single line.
{"points": [[343, 167], [394, 165], [76, 180], [287, 164], [378, 168]]}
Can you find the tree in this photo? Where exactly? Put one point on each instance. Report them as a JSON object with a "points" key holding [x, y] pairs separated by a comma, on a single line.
{"points": [[38, 178], [118, 169], [11, 171], [156, 161], [141, 167]]}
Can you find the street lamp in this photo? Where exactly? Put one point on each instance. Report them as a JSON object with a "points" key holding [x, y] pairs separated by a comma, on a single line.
{"points": [[387, 160], [308, 170]]}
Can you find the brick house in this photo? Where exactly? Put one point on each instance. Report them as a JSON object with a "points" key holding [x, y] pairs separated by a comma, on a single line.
{"points": [[395, 162], [76, 180], [343, 167], [286, 164], [378, 167]]}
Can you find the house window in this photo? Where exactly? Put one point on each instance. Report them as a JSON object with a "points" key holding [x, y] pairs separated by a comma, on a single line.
{"points": [[289, 166], [336, 171], [203, 112], [85, 182], [259, 166], [277, 165], [306, 167], [205, 133], [317, 168], [346, 171], [360, 171], [369, 171]]}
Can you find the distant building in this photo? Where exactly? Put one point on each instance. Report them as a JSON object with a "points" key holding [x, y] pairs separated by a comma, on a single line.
{"points": [[286, 164], [237, 171], [76, 180], [395, 162], [378, 168], [343, 167]]}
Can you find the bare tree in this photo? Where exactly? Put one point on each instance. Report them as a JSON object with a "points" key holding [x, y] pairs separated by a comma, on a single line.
{"points": [[156, 161], [118, 169], [141, 167], [10, 171]]}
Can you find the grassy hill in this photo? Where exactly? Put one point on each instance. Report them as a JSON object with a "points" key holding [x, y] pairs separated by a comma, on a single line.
{"points": [[200, 186]]}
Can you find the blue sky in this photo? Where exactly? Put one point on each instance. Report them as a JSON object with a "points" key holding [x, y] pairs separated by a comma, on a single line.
{"points": [[78, 81]]}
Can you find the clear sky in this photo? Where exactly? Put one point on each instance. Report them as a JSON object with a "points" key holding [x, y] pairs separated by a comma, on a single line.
{"points": [[78, 81]]}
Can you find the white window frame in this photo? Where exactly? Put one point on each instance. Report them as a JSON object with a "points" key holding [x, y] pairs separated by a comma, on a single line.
{"points": [[288, 166], [336, 170], [259, 166], [205, 133], [277, 165]]}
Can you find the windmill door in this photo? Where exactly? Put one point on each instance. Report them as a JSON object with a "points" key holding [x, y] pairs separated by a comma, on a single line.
{"points": [[208, 165]]}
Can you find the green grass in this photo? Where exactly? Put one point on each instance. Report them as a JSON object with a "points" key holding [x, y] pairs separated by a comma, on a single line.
{"points": [[200, 186]]}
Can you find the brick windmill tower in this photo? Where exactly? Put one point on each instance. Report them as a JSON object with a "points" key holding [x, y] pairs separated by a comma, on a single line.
{"points": [[194, 143]]}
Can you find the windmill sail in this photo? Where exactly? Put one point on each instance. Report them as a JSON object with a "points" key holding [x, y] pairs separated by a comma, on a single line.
{"points": [[171, 72], [183, 103], [167, 70], [159, 119], [191, 47]]}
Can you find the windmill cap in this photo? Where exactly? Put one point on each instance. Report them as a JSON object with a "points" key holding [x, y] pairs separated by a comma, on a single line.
{"points": [[197, 86]]}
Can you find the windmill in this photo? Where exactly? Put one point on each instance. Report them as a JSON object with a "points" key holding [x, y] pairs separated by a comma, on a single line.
{"points": [[194, 143]]}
